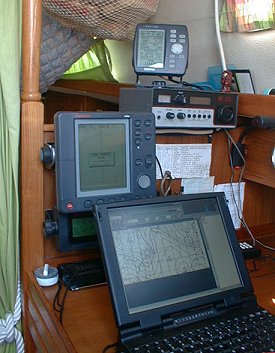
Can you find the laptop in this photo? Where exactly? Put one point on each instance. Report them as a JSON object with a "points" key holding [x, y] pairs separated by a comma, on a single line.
{"points": [[174, 267]]}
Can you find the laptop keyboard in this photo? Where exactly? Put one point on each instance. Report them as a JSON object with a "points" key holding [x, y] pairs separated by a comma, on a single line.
{"points": [[253, 333]]}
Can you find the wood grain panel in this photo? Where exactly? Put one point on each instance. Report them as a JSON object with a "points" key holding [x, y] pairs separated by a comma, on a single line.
{"points": [[56, 101], [88, 318], [259, 204], [32, 210], [49, 330], [256, 104], [259, 147]]}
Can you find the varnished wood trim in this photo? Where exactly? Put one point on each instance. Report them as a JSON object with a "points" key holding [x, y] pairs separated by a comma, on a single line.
{"points": [[256, 104], [83, 87], [31, 34], [48, 127], [45, 321]]}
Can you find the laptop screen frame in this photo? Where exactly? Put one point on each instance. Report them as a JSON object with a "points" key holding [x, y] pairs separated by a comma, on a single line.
{"points": [[154, 317]]}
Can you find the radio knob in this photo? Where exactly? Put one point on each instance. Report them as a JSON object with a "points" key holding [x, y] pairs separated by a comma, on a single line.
{"points": [[225, 113], [181, 115], [180, 99], [170, 115]]}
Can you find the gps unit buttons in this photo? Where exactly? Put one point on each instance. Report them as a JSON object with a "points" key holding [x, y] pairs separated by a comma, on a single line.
{"points": [[148, 161], [144, 181], [177, 48]]}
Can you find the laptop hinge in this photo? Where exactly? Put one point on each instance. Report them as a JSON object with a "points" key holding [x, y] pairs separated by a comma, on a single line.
{"points": [[239, 301], [130, 332]]}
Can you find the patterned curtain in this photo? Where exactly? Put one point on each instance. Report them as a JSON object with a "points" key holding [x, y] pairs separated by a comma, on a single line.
{"points": [[247, 15]]}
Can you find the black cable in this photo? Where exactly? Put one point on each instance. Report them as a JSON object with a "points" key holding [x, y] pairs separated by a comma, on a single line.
{"points": [[160, 167], [112, 345], [60, 306], [183, 83], [244, 133], [63, 303], [56, 302], [109, 347]]}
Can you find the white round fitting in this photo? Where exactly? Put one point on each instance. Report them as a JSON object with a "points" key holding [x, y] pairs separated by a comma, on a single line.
{"points": [[46, 276]]}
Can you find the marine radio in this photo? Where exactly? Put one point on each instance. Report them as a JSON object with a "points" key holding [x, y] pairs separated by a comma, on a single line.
{"points": [[176, 108]]}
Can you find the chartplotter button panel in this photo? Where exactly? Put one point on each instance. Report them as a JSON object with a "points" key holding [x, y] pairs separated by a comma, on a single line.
{"points": [[160, 49]]}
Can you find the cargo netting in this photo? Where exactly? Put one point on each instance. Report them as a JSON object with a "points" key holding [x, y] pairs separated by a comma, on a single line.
{"points": [[109, 19]]}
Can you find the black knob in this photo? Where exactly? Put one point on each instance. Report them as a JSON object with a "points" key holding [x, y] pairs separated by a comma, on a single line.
{"points": [[47, 155], [50, 227], [170, 115], [180, 99], [181, 115], [225, 113]]}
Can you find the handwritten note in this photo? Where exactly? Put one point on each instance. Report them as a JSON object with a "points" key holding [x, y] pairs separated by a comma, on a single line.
{"points": [[184, 160]]}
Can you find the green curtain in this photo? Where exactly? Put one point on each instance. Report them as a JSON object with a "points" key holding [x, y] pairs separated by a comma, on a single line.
{"points": [[94, 65], [247, 15], [10, 59]]}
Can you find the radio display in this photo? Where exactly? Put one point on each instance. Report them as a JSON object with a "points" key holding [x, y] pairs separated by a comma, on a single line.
{"points": [[200, 100], [164, 98]]}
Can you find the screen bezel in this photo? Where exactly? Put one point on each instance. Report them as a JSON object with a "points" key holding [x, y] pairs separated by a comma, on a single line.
{"points": [[64, 239], [140, 149], [153, 317]]}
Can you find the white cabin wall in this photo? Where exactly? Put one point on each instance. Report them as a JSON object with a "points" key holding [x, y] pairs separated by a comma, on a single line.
{"points": [[254, 51]]}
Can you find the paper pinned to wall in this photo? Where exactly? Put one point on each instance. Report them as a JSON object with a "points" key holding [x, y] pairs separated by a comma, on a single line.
{"points": [[234, 194], [184, 160], [197, 185]]}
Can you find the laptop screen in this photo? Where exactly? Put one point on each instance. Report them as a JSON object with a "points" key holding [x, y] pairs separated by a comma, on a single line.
{"points": [[169, 252]]}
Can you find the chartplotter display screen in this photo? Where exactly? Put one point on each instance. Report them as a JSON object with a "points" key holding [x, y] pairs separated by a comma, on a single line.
{"points": [[151, 48], [102, 152], [103, 157]]}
